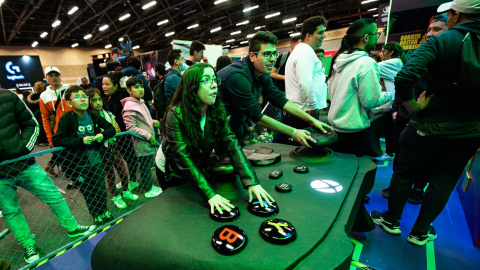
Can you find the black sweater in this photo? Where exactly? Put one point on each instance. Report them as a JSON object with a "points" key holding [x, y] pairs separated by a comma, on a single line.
{"points": [[115, 106]]}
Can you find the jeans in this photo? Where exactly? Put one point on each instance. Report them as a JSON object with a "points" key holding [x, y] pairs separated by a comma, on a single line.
{"points": [[36, 181], [446, 159], [114, 161], [146, 164], [127, 151]]}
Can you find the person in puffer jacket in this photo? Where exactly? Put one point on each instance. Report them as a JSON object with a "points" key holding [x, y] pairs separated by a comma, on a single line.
{"points": [[138, 120]]}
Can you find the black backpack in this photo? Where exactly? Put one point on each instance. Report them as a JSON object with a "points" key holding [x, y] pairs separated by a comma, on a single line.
{"points": [[159, 101], [469, 50]]}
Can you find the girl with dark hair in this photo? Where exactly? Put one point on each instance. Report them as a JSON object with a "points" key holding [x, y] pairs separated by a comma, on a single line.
{"points": [[115, 93], [113, 159], [194, 121], [354, 86], [393, 58], [222, 62]]}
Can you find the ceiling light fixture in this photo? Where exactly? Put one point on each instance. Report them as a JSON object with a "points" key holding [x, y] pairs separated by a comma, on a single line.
{"points": [[44, 34], [103, 27], [56, 23], [235, 33], [126, 16], [243, 42], [193, 26], [74, 45], [375, 15], [136, 47], [230, 40], [169, 34], [250, 35], [272, 15], [72, 10], [151, 4], [108, 46], [372, 9], [368, 1], [295, 34], [87, 36], [226, 46], [219, 2], [34, 44], [216, 29], [162, 22], [120, 39], [250, 8], [289, 20], [242, 23]]}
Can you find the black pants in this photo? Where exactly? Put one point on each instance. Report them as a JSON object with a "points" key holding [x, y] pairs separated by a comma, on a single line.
{"points": [[446, 158], [349, 143], [421, 179], [125, 146], [388, 132], [146, 164], [92, 187]]}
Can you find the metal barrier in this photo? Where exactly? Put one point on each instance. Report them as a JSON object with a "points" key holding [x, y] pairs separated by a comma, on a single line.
{"points": [[97, 178]]}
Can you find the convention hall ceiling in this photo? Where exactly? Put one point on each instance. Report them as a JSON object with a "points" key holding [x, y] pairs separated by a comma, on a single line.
{"points": [[98, 23]]}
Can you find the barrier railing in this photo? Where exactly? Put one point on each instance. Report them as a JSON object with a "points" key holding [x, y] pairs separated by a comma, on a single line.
{"points": [[99, 187]]}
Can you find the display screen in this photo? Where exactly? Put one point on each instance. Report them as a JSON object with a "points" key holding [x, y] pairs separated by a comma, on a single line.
{"points": [[20, 71]]}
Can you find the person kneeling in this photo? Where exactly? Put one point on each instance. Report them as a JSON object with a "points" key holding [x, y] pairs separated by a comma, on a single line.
{"points": [[195, 119]]}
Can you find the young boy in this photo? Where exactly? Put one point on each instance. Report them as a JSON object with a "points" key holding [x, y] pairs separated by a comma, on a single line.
{"points": [[18, 134], [138, 120], [82, 132]]}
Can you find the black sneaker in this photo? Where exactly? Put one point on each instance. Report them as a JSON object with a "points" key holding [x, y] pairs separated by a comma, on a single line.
{"points": [[392, 227], [386, 193], [418, 239], [104, 218], [416, 196], [31, 254], [82, 230]]}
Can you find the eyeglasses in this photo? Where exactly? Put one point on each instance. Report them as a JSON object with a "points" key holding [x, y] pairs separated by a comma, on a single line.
{"points": [[376, 34], [81, 98], [268, 55], [209, 82]]}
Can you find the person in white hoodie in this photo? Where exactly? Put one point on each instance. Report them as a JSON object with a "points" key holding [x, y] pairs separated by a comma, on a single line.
{"points": [[354, 86]]}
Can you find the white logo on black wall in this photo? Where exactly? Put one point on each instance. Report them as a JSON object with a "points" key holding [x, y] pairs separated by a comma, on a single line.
{"points": [[14, 70]]}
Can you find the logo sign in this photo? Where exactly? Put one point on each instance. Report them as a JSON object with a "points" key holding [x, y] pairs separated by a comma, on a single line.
{"points": [[326, 186], [262, 209], [226, 216], [229, 240], [13, 70], [278, 231]]}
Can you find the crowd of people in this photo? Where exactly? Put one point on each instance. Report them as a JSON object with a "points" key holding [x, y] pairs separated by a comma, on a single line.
{"points": [[193, 108]]}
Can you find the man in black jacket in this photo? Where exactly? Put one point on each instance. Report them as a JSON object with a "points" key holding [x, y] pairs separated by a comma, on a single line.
{"points": [[444, 134], [244, 81], [18, 133]]}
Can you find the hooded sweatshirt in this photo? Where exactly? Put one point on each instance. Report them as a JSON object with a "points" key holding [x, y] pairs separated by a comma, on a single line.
{"points": [[48, 99], [388, 70], [354, 90], [138, 120]]}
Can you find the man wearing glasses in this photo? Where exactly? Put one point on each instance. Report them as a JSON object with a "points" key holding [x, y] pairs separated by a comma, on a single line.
{"points": [[445, 130], [304, 77], [244, 81]]}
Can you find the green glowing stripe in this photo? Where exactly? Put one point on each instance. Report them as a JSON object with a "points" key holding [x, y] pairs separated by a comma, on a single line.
{"points": [[388, 22], [430, 256], [60, 253], [42, 262], [76, 244], [356, 253], [385, 164], [106, 228], [92, 235]]}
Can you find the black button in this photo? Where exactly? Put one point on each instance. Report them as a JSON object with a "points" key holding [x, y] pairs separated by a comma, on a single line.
{"points": [[278, 231], [283, 187], [275, 174], [264, 210], [229, 240], [301, 169], [226, 216]]}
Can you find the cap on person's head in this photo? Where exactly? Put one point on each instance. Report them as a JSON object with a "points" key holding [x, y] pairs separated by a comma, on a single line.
{"points": [[50, 69], [440, 18], [462, 6]]}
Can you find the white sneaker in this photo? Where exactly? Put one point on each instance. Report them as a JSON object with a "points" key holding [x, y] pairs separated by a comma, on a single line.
{"points": [[128, 195], [385, 157], [119, 185], [133, 185], [119, 202], [153, 192]]}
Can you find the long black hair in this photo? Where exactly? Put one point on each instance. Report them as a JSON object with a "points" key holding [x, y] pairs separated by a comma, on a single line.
{"points": [[397, 51], [355, 33], [186, 98]]}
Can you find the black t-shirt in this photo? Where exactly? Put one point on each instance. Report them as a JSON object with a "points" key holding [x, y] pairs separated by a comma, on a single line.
{"points": [[281, 71]]}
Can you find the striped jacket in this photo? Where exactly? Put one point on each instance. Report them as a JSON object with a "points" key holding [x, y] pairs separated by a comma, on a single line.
{"points": [[18, 128]]}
